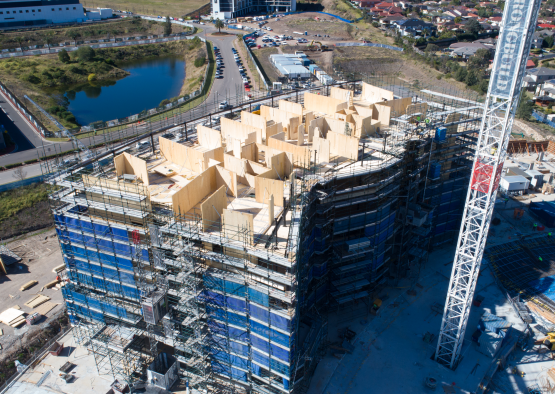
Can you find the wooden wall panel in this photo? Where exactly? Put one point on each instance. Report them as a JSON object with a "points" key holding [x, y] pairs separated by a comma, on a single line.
{"points": [[323, 104], [237, 225], [322, 147], [382, 113], [228, 179], [182, 155], [291, 107], [301, 154], [194, 191], [265, 187], [209, 138], [374, 94], [132, 165], [398, 106], [343, 145], [341, 94], [269, 153], [237, 130], [212, 209], [420, 108], [249, 151]]}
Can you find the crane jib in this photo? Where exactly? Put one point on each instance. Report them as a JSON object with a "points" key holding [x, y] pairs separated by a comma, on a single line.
{"points": [[510, 43]]}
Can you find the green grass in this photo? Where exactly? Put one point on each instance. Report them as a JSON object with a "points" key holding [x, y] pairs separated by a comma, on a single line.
{"points": [[175, 8], [13, 201]]}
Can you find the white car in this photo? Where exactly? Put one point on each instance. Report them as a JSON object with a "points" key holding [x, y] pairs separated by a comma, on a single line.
{"points": [[245, 80], [142, 145], [224, 105]]}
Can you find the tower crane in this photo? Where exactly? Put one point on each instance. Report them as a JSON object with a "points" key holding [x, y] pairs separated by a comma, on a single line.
{"points": [[513, 45]]}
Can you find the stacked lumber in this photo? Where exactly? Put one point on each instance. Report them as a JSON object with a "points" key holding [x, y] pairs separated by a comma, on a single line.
{"points": [[28, 285], [37, 300], [12, 317], [45, 308], [550, 317]]}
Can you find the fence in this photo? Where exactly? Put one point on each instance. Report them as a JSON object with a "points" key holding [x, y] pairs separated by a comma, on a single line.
{"points": [[34, 122], [24, 182], [96, 44], [543, 118], [369, 44], [265, 80]]}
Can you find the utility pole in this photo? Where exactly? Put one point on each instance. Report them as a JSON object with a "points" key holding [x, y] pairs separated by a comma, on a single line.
{"points": [[519, 23]]}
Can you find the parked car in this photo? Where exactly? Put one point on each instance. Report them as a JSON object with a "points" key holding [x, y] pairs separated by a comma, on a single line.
{"points": [[142, 145], [224, 105]]}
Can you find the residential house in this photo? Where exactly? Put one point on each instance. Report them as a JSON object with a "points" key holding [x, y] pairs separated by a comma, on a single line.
{"points": [[442, 18], [405, 5], [366, 3], [464, 50], [391, 20], [487, 28], [537, 76], [412, 27], [495, 20], [464, 53], [546, 26], [537, 40], [441, 27], [546, 19], [488, 42], [546, 89]]}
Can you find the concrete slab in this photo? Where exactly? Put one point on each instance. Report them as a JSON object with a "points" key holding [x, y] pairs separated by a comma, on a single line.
{"points": [[86, 378]]}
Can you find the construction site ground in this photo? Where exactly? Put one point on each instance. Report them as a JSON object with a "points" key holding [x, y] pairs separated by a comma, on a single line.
{"points": [[390, 354], [40, 253]]}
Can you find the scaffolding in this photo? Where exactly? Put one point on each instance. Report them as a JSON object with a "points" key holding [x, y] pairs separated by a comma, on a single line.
{"points": [[244, 309]]}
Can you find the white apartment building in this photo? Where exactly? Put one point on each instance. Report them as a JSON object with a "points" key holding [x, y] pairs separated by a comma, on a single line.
{"points": [[228, 9], [15, 13]]}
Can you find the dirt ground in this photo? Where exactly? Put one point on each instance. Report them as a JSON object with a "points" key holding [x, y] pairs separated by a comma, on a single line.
{"points": [[40, 253]]}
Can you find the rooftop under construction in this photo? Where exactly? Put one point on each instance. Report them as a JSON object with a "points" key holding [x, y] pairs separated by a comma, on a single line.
{"points": [[218, 259]]}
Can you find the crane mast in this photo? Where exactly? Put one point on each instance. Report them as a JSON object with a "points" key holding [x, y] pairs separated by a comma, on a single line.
{"points": [[518, 26]]}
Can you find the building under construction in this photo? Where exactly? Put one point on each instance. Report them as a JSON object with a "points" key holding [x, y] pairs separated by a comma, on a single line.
{"points": [[217, 260]]}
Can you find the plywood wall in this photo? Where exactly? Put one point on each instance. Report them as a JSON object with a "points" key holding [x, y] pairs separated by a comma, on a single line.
{"points": [[455, 117], [212, 209], [132, 165], [293, 108], [249, 152], [228, 179], [269, 154], [323, 104], [181, 155], [398, 106], [382, 113], [237, 130], [191, 194], [364, 111], [300, 154], [209, 138], [341, 94], [253, 120], [343, 145], [280, 116], [373, 94], [265, 186], [322, 148], [237, 225]]}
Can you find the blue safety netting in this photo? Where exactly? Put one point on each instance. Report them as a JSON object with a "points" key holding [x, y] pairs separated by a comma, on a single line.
{"points": [[98, 257], [93, 305], [93, 228], [104, 285]]}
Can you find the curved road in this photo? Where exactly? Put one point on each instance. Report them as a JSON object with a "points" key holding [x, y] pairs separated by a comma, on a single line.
{"points": [[230, 88]]}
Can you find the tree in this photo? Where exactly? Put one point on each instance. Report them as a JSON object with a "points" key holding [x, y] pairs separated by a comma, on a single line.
{"points": [[458, 19], [73, 34], [19, 174], [480, 58], [167, 26], [432, 48], [472, 26], [85, 53], [219, 24], [48, 39], [525, 106], [455, 2], [92, 77], [460, 75], [483, 85], [501, 5], [471, 78], [63, 56], [548, 42]]}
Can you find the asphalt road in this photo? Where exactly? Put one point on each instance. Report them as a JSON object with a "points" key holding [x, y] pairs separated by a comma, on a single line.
{"points": [[229, 88]]}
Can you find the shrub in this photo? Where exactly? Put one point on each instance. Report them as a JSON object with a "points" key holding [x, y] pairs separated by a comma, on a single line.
{"points": [[92, 77], [85, 53], [32, 78], [199, 61], [375, 24], [31, 161], [63, 56]]}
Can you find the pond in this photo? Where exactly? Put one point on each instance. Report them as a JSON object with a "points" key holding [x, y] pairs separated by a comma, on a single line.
{"points": [[150, 82]]}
